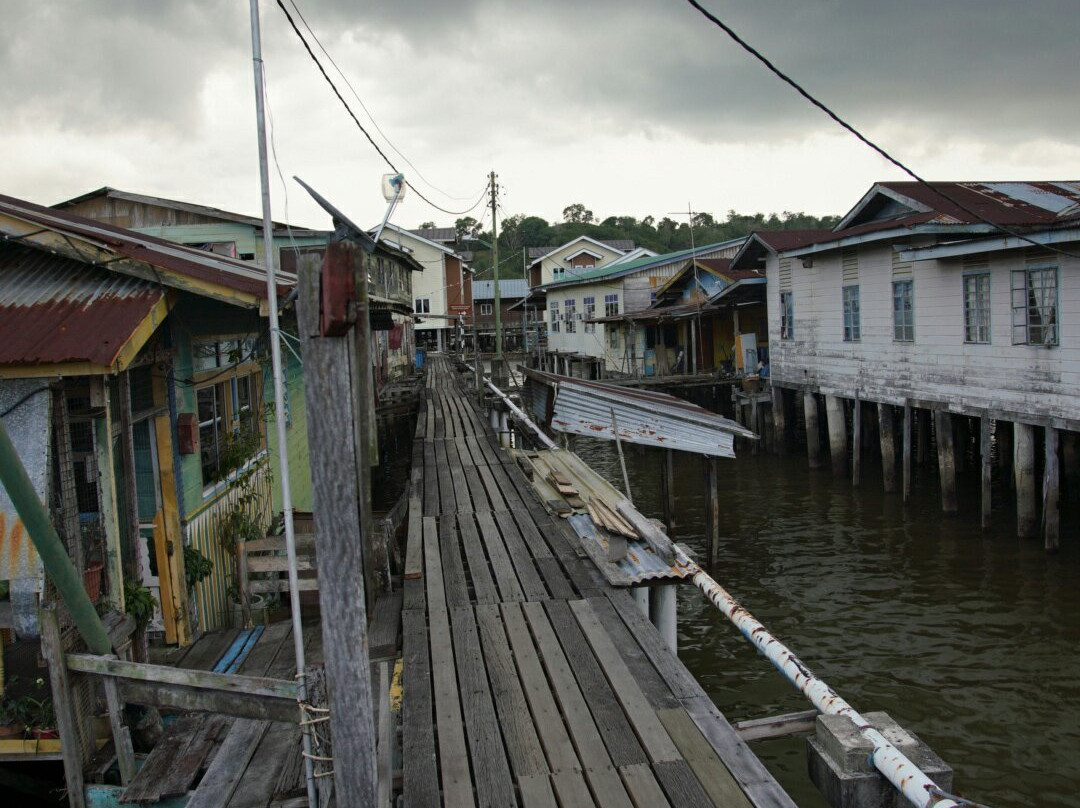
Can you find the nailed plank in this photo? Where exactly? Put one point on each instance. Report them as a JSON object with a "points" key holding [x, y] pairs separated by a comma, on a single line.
{"points": [[453, 754], [641, 784], [490, 768], [587, 741], [463, 500], [477, 493], [415, 597], [571, 790], [447, 502], [266, 649], [145, 787], [536, 791], [608, 715], [505, 577], [482, 583], [498, 502], [522, 742], [647, 677], [457, 592], [180, 777], [549, 725], [256, 786], [707, 766], [224, 773], [414, 542], [433, 575], [531, 583], [431, 481], [386, 620], [421, 779], [205, 653], [608, 789], [558, 583], [649, 730], [681, 786]]}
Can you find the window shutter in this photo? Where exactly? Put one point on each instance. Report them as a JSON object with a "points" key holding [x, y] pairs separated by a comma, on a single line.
{"points": [[849, 260]]}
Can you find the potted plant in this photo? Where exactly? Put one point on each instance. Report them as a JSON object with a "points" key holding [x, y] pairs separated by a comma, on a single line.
{"points": [[139, 602], [39, 715], [11, 712]]}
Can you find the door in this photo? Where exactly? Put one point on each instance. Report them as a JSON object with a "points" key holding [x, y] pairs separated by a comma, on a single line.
{"points": [[151, 521]]}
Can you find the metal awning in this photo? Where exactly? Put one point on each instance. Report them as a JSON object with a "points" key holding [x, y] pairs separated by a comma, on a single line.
{"points": [[645, 417]]}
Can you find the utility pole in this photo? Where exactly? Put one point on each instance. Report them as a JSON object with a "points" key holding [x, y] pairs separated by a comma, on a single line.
{"points": [[496, 365]]}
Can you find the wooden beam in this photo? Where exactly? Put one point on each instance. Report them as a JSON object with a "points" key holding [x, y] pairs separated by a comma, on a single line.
{"points": [[777, 726], [987, 469], [64, 704], [1051, 518]]}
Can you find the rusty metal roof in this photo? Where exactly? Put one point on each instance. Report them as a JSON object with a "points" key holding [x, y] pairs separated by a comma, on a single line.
{"points": [[157, 253], [644, 416], [56, 310]]}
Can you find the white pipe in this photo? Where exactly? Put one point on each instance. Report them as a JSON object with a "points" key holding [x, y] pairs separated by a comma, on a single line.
{"points": [[897, 768], [279, 402], [521, 416], [664, 614]]}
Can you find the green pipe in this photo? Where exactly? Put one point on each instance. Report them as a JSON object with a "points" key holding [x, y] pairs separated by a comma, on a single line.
{"points": [[53, 554]]}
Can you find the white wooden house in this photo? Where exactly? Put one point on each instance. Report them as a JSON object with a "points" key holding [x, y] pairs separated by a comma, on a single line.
{"points": [[960, 299]]}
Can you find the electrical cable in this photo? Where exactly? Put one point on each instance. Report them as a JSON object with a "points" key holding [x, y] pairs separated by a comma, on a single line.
{"points": [[371, 117], [22, 401], [359, 125], [746, 46]]}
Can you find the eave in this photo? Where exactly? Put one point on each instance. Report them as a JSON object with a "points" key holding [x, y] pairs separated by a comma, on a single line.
{"points": [[974, 247]]}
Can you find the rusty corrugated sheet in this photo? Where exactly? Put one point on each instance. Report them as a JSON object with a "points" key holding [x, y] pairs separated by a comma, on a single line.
{"points": [[26, 402], [644, 416], [640, 563], [54, 309], [196, 264]]}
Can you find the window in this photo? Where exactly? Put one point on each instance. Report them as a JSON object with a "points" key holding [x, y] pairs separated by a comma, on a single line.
{"points": [[787, 315], [423, 305], [1034, 306], [611, 305], [977, 308], [571, 316], [486, 309], [612, 335], [555, 316], [590, 312], [212, 431], [558, 273], [903, 309], [851, 314], [230, 432]]}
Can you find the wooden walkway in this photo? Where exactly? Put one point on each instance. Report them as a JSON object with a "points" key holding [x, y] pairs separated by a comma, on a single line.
{"points": [[528, 680]]}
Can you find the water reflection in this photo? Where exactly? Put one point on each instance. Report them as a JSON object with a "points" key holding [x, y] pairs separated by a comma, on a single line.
{"points": [[966, 637]]}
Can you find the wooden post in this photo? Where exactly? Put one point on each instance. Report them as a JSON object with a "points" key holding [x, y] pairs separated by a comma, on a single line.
{"points": [[339, 475], [125, 755], [813, 433], [63, 704], [1027, 523], [668, 490], [906, 455], [105, 460], [987, 469], [923, 456], [1003, 434], [1051, 518], [946, 460], [129, 543], [856, 441], [754, 425], [779, 416], [834, 411], [887, 428], [712, 508], [1070, 456]]}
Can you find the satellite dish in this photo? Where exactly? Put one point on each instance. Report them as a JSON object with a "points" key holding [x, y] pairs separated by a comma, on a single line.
{"points": [[393, 187]]}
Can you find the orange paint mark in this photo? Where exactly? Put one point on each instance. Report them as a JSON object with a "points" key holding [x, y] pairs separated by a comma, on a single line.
{"points": [[14, 543]]}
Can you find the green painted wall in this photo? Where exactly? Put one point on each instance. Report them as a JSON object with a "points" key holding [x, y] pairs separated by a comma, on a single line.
{"points": [[248, 239], [295, 427]]}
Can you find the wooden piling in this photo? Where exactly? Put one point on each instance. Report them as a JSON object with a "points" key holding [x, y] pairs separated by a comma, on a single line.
{"points": [[52, 650], [779, 421], [837, 422], [668, 489], [712, 508], [1070, 461], [1051, 518], [923, 455], [856, 441], [813, 433], [906, 453], [1027, 523], [1003, 435], [987, 469], [887, 428], [946, 460]]}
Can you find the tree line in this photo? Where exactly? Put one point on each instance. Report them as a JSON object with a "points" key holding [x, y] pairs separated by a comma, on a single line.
{"points": [[520, 231]]}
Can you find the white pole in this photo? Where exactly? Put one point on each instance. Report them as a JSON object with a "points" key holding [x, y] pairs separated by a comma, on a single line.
{"points": [[279, 399]]}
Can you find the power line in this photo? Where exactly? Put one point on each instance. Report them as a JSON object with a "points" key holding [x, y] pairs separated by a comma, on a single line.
{"points": [[746, 46], [359, 125], [363, 106]]}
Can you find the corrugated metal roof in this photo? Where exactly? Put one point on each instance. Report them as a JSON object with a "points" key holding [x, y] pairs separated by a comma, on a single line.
{"points": [[54, 309], [513, 287], [196, 264], [640, 564], [448, 234], [645, 416]]}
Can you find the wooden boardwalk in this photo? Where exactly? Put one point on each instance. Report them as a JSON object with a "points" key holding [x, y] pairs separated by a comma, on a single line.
{"points": [[528, 679]]}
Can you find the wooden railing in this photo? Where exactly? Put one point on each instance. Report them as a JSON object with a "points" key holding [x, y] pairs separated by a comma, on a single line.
{"points": [[268, 555]]}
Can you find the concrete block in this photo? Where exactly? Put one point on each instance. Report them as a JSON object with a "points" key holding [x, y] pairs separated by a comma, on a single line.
{"points": [[838, 759]]}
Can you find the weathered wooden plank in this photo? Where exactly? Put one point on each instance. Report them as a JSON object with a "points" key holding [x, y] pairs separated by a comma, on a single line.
{"points": [[571, 790], [464, 455], [205, 653], [477, 493], [453, 753], [490, 768], [256, 787], [276, 563], [531, 583], [433, 574], [682, 786], [556, 578], [269, 645], [447, 500], [545, 714], [414, 541], [642, 787], [650, 731], [421, 779], [505, 577], [483, 585], [181, 775], [385, 625], [715, 778], [608, 715], [414, 594], [163, 675], [431, 481], [522, 743], [457, 592], [223, 775], [145, 787], [673, 672], [608, 789], [587, 740], [462, 497], [652, 684], [536, 791], [498, 502], [777, 726], [63, 702]]}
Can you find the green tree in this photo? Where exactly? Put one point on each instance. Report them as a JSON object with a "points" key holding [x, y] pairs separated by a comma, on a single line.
{"points": [[466, 228], [426, 225], [577, 214]]}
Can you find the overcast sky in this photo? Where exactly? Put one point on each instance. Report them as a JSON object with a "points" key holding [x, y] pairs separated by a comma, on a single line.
{"points": [[629, 106]]}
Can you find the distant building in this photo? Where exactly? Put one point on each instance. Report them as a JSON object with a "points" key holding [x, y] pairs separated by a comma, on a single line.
{"points": [[512, 294]]}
